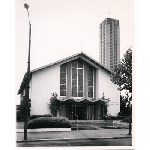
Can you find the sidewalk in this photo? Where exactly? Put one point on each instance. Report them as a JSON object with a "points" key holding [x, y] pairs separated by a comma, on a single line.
{"points": [[75, 134]]}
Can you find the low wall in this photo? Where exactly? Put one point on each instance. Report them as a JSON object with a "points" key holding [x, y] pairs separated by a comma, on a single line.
{"points": [[44, 129]]}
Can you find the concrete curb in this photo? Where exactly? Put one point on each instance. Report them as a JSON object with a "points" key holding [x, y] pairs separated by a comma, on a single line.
{"points": [[114, 127], [21, 141]]}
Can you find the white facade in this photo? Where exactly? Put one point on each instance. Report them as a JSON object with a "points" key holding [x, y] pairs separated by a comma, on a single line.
{"points": [[43, 83], [46, 80], [110, 91]]}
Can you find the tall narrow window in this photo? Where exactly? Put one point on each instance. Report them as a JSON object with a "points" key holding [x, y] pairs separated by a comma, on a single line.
{"points": [[63, 80], [77, 78], [90, 82]]}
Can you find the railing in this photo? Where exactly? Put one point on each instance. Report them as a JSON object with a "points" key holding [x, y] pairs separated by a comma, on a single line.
{"points": [[91, 118], [77, 121]]}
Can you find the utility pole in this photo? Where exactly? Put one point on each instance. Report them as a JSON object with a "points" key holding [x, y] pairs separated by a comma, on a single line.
{"points": [[130, 118], [28, 79], [130, 110]]}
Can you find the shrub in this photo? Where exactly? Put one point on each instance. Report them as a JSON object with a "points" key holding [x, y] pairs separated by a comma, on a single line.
{"points": [[113, 118], [107, 118], [127, 120], [21, 109], [119, 113], [19, 117], [120, 117], [36, 116], [49, 122], [54, 104]]}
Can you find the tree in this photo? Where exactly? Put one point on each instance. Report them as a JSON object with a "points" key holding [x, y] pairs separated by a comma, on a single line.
{"points": [[122, 76], [21, 109], [124, 107], [54, 104]]}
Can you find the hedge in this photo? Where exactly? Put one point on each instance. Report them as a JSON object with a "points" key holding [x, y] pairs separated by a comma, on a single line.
{"points": [[114, 118], [36, 116], [127, 120], [49, 122]]}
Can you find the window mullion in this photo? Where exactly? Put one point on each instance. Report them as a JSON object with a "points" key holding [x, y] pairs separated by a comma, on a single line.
{"points": [[77, 77], [93, 81]]}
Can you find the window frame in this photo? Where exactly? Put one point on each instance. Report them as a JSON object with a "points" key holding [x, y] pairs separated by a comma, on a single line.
{"points": [[93, 83], [66, 81], [77, 78]]}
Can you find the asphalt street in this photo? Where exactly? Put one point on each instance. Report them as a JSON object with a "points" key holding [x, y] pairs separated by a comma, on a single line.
{"points": [[84, 142]]}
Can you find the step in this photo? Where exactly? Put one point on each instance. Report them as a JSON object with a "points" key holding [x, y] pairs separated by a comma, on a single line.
{"points": [[88, 122]]}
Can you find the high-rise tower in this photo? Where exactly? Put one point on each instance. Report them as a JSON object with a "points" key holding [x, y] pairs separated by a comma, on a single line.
{"points": [[109, 43]]}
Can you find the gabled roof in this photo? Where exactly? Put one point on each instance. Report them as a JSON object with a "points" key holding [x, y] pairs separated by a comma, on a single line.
{"points": [[67, 59]]}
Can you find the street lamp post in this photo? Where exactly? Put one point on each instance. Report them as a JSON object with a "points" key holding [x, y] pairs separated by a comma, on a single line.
{"points": [[28, 79]]}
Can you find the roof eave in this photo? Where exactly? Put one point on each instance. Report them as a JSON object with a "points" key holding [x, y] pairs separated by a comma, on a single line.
{"points": [[22, 86]]}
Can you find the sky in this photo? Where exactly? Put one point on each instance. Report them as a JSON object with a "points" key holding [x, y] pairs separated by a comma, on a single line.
{"points": [[61, 28]]}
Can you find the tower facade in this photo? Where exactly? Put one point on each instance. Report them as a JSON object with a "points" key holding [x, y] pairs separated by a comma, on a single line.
{"points": [[109, 43]]}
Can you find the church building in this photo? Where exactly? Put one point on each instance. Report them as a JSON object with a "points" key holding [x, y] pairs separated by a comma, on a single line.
{"points": [[82, 84]]}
